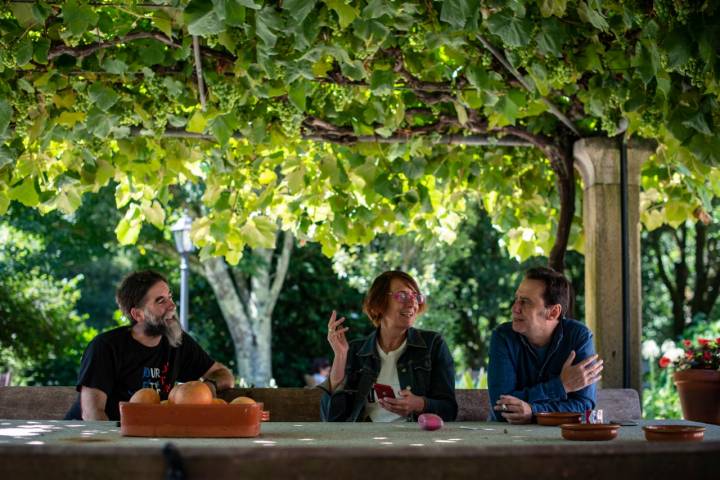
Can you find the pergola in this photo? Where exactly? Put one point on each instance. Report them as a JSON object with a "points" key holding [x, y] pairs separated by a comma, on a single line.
{"points": [[310, 114]]}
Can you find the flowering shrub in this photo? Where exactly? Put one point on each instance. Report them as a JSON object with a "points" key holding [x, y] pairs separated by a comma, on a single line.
{"points": [[705, 354], [660, 398]]}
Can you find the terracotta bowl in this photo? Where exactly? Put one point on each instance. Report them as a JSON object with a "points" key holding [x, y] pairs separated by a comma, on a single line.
{"points": [[553, 419], [213, 420], [674, 433], [589, 431]]}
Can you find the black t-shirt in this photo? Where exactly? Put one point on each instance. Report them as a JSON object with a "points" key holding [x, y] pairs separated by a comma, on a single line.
{"points": [[119, 365]]}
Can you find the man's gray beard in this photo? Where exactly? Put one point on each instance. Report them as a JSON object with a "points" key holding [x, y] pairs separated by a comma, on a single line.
{"points": [[155, 326]]}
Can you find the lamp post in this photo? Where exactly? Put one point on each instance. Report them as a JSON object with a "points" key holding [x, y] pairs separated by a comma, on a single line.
{"points": [[183, 244]]}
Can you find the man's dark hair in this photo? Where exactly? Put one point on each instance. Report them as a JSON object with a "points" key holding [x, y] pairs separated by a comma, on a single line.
{"points": [[557, 287], [133, 288]]}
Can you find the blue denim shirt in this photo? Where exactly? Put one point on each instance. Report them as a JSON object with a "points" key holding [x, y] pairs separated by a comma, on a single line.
{"points": [[426, 367], [516, 370]]}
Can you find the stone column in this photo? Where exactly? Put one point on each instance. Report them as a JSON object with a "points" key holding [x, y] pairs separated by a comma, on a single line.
{"points": [[598, 161]]}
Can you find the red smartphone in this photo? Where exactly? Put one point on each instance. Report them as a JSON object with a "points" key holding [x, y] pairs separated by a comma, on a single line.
{"points": [[383, 391]]}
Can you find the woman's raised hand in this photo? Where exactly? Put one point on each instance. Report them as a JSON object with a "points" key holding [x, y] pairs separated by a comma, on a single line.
{"points": [[336, 335], [339, 344]]}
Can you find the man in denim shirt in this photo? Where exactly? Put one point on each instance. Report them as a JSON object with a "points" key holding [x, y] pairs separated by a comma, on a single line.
{"points": [[541, 361]]}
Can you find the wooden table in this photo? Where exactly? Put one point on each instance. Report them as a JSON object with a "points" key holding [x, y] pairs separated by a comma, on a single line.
{"points": [[471, 450]]}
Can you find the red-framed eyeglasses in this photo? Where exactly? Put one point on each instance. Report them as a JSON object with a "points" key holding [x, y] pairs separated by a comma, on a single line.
{"points": [[406, 297]]}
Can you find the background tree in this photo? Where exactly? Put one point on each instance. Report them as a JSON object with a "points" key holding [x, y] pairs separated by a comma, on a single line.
{"points": [[688, 264], [42, 335]]}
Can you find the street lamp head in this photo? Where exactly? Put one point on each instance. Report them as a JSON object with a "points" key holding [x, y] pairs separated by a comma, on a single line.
{"points": [[181, 233]]}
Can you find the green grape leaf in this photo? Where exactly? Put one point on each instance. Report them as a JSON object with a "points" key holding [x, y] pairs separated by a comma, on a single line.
{"points": [[461, 113], [259, 232], [589, 15], [647, 61], [5, 116], [42, 48], [163, 22], [154, 213], [299, 9], [127, 231], [346, 13], [679, 48], [298, 92], [381, 82], [552, 7], [25, 193], [235, 13], [115, 66], [223, 127], [248, 3], [514, 31], [698, 122], [78, 17], [103, 97], [24, 14], [23, 51], [551, 37], [69, 119], [455, 12], [69, 200], [197, 122], [202, 18]]}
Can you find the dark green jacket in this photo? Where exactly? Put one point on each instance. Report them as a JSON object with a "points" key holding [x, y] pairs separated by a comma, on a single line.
{"points": [[426, 366]]}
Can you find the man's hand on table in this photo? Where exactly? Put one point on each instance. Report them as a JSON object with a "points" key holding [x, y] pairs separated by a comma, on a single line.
{"points": [[513, 409]]}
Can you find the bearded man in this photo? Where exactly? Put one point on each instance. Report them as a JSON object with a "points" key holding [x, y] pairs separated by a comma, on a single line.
{"points": [[151, 352]]}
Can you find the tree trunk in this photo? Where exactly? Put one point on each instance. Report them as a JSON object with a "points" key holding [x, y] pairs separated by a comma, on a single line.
{"points": [[247, 307], [562, 165]]}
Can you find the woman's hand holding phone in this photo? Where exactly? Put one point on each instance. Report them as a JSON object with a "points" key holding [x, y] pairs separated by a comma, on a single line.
{"points": [[406, 405]]}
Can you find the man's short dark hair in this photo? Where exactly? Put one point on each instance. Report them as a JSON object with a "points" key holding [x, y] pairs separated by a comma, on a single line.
{"points": [[557, 287], [133, 288]]}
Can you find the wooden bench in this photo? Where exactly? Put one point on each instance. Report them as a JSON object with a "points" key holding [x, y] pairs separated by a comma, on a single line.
{"points": [[286, 404]]}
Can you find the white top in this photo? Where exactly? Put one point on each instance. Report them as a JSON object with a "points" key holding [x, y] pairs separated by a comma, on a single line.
{"points": [[389, 376]]}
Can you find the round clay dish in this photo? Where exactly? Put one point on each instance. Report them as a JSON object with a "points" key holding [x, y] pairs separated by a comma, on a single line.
{"points": [[674, 433], [553, 419], [589, 431]]}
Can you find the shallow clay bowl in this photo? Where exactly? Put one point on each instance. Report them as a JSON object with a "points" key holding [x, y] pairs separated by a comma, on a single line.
{"points": [[589, 431], [553, 419], [674, 433]]}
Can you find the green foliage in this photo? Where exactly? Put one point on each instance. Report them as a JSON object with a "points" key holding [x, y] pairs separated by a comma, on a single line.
{"points": [[42, 336], [660, 397], [312, 291], [88, 91]]}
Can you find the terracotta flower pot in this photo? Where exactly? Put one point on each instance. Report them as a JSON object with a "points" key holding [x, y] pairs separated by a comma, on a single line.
{"points": [[699, 392]]}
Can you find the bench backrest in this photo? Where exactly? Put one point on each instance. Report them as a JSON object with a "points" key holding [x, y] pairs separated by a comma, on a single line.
{"points": [[287, 404]]}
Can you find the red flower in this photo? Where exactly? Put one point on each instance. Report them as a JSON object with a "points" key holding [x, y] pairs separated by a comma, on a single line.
{"points": [[687, 343], [703, 341], [689, 354], [707, 356], [664, 362], [717, 341]]}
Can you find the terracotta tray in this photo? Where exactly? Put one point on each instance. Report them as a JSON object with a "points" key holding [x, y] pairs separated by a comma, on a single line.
{"points": [[589, 431], [674, 433], [554, 419], [214, 420]]}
